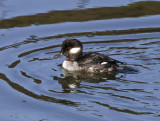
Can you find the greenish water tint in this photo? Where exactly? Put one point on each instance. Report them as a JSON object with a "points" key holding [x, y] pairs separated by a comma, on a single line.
{"points": [[33, 85]]}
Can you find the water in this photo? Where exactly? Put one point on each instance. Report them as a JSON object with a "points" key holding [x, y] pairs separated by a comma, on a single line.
{"points": [[33, 85]]}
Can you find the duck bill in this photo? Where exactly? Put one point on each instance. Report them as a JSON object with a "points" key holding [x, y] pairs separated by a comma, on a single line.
{"points": [[59, 55]]}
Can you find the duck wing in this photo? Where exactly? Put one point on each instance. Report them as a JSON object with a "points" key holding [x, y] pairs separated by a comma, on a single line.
{"points": [[97, 58]]}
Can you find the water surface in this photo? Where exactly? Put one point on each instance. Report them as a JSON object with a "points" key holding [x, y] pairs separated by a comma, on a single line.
{"points": [[33, 85]]}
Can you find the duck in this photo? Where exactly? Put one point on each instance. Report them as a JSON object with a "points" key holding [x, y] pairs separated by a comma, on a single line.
{"points": [[77, 60]]}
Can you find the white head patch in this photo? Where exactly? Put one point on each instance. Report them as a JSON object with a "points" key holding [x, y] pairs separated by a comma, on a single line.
{"points": [[75, 50], [103, 63]]}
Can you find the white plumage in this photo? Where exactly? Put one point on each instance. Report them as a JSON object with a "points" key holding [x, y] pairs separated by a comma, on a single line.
{"points": [[75, 50]]}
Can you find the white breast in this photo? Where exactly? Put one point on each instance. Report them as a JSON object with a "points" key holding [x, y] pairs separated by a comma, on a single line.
{"points": [[71, 66]]}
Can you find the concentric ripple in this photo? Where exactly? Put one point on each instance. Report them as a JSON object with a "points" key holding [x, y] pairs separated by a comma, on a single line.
{"points": [[35, 87]]}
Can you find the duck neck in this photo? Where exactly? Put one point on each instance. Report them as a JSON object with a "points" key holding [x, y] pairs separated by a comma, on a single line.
{"points": [[74, 57]]}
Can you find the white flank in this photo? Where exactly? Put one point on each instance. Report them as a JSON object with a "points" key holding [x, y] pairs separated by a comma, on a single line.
{"points": [[103, 63], [75, 50]]}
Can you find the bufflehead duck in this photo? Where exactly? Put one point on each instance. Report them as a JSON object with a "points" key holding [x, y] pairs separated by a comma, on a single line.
{"points": [[77, 60]]}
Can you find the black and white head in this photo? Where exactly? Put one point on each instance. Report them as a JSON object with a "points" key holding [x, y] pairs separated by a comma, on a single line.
{"points": [[72, 49]]}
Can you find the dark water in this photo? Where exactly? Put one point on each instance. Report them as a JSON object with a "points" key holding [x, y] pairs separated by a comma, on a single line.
{"points": [[33, 85]]}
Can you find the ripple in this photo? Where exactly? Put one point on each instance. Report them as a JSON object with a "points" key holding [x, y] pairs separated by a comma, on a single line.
{"points": [[31, 69]]}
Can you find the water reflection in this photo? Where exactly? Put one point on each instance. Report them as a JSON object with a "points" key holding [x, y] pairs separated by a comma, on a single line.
{"points": [[23, 90], [72, 80], [123, 110], [82, 3], [31, 70], [138, 9]]}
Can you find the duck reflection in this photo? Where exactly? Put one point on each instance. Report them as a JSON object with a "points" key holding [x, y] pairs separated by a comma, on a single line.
{"points": [[72, 80]]}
